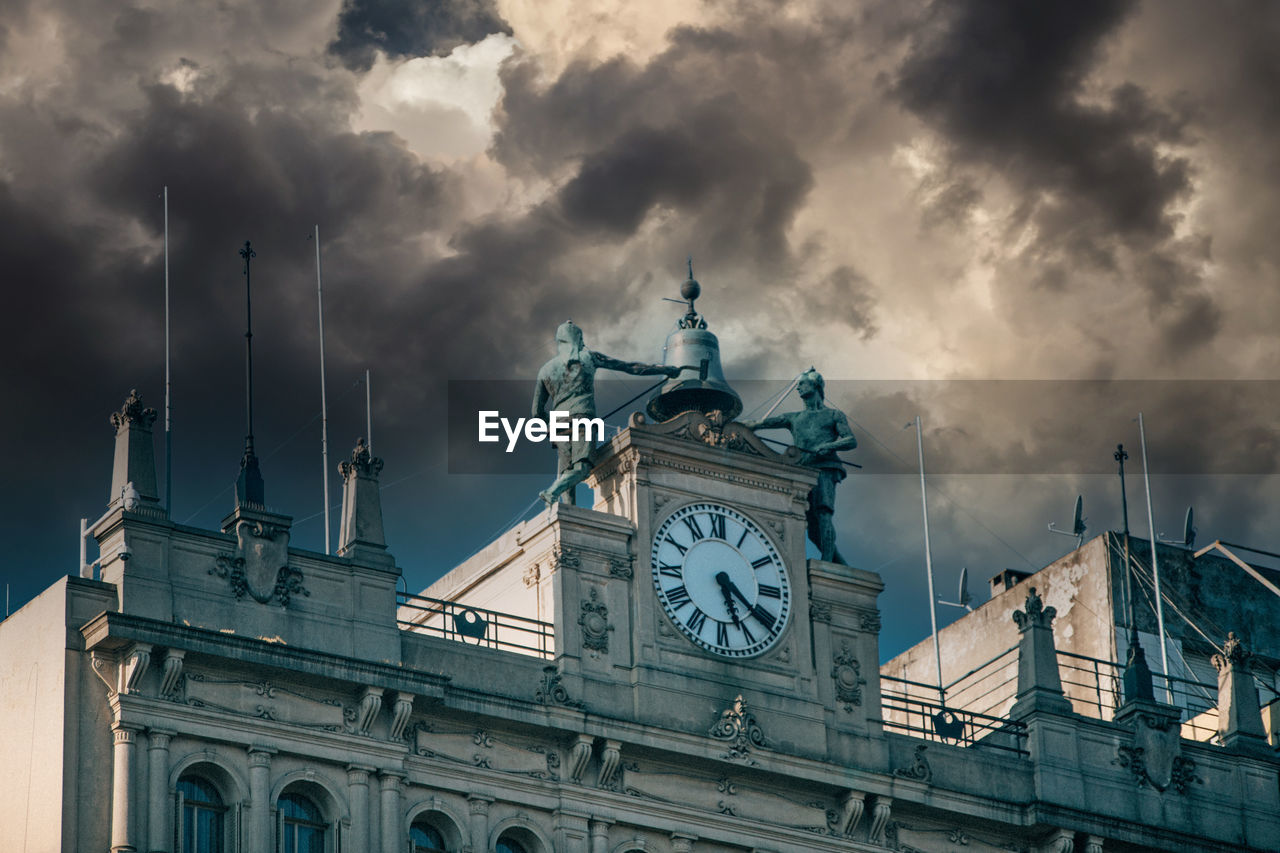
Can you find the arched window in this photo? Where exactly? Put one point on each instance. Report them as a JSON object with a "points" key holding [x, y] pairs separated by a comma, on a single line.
{"points": [[507, 844], [425, 838], [302, 826], [201, 816]]}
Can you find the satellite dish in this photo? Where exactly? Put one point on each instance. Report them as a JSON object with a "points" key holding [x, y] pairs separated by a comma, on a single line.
{"points": [[962, 592], [1188, 532], [1078, 526]]}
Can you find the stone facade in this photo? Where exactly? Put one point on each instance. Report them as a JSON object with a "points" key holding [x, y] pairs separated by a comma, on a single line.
{"points": [[273, 676]]}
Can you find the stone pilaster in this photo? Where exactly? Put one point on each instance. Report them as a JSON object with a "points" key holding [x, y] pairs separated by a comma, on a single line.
{"points": [[358, 792], [360, 535], [159, 836], [123, 839], [1039, 684], [392, 835], [1239, 713], [133, 473], [478, 806], [572, 829], [258, 838], [599, 828]]}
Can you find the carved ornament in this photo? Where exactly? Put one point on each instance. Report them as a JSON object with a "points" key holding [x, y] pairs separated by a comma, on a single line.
{"points": [[362, 463], [552, 692], [738, 726], [1036, 615], [594, 621], [918, 769], [847, 674], [260, 561], [1233, 655], [133, 412]]}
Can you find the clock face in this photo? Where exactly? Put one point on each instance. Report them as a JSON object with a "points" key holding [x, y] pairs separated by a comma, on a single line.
{"points": [[721, 580]]}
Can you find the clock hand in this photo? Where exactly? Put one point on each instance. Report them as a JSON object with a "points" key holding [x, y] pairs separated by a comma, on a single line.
{"points": [[766, 618], [725, 586]]}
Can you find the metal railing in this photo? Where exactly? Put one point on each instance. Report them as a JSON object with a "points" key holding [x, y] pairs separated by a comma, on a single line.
{"points": [[904, 711], [474, 625]]}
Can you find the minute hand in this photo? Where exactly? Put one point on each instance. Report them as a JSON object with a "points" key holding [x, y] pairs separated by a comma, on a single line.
{"points": [[766, 618]]}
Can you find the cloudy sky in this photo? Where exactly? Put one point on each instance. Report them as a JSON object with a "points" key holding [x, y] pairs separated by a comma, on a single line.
{"points": [[919, 198]]}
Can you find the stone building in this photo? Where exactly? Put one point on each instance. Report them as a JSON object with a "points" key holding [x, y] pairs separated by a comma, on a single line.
{"points": [[568, 688]]}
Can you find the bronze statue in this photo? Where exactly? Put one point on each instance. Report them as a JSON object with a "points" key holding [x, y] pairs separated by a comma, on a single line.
{"points": [[818, 432], [567, 383]]}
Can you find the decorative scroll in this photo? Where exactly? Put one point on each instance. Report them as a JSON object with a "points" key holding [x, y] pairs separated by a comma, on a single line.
{"points": [[552, 692], [480, 748], [265, 700], [739, 728], [907, 837], [918, 769]]}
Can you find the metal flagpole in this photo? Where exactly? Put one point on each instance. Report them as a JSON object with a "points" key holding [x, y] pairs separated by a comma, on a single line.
{"points": [[168, 408], [368, 412], [928, 562], [1155, 567], [324, 405]]}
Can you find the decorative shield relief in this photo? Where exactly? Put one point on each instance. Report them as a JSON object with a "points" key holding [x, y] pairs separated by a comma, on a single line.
{"points": [[260, 566]]}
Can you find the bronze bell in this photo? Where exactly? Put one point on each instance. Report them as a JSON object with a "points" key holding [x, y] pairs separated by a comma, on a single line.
{"points": [[691, 345]]}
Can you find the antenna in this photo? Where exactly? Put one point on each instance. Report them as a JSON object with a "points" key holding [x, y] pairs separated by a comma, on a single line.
{"points": [[928, 562], [324, 404], [1188, 533], [1155, 565], [1078, 526], [168, 408], [249, 485], [962, 593]]}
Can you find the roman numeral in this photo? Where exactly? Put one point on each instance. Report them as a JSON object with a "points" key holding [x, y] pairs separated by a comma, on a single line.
{"points": [[697, 620], [767, 591], [746, 632], [722, 634], [669, 570], [677, 597], [717, 525], [695, 530], [766, 618], [743, 537], [762, 562], [674, 544]]}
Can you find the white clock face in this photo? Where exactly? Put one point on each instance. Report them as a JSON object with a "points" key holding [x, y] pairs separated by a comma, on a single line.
{"points": [[721, 580]]}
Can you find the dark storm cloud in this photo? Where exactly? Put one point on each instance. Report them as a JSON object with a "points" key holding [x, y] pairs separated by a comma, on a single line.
{"points": [[401, 29], [1007, 85]]}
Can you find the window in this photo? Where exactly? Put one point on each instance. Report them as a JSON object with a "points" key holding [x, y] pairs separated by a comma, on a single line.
{"points": [[508, 845], [200, 816], [424, 838], [302, 826]]}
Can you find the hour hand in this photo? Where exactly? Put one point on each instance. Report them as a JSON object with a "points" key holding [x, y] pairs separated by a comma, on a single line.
{"points": [[727, 589]]}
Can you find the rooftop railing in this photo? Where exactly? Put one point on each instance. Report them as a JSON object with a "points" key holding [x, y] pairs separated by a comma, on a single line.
{"points": [[904, 710], [474, 625]]}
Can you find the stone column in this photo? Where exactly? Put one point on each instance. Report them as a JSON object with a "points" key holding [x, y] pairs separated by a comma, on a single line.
{"points": [[1239, 714], [258, 839], [358, 791], [1039, 684], [122, 792], [600, 834], [393, 836], [135, 462], [479, 808], [360, 534], [159, 838]]}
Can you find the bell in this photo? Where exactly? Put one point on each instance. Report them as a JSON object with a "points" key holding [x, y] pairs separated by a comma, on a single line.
{"points": [[691, 345], [706, 391]]}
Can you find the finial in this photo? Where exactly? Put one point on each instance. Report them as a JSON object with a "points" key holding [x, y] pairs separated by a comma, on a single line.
{"points": [[691, 267], [689, 291]]}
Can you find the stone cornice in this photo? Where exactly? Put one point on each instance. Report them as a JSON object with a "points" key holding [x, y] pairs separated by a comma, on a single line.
{"points": [[111, 630]]}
